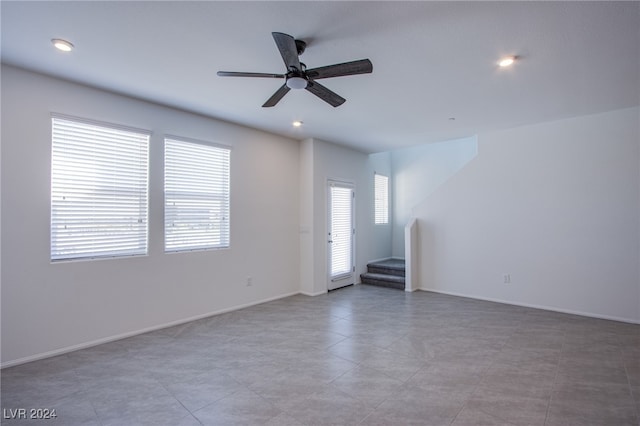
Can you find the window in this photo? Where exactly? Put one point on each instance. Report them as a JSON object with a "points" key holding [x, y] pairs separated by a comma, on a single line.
{"points": [[99, 187], [381, 195], [196, 195]]}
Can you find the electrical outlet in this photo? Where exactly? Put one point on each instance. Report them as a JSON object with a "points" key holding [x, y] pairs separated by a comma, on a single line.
{"points": [[249, 281], [506, 278]]}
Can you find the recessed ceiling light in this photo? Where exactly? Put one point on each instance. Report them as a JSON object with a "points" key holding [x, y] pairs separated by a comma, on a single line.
{"points": [[297, 123], [61, 44], [506, 61]]}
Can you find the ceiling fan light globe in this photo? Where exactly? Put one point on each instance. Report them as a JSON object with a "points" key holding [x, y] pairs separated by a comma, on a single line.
{"points": [[296, 83]]}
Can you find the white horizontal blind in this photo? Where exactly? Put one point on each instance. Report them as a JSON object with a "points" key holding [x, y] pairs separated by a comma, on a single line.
{"points": [[196, 196], [341, 230], [381, 195], [99, 187]]}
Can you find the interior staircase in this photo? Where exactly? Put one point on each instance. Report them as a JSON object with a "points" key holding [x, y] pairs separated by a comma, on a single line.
{"points": [[385, 273]]}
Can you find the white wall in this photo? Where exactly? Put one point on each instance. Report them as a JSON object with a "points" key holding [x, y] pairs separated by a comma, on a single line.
{"points": [[52, 307], [321, 161], [555, 205], [307, 235], [420, 170]]}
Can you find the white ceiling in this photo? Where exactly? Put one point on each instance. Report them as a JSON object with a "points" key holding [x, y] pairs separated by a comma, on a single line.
{"points": [[432, 61]]}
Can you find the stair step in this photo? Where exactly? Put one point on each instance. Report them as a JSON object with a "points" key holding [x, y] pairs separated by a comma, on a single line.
{"points": [[387, 266], [383, 280]]}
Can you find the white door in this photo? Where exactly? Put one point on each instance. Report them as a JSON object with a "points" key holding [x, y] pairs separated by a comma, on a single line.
{"points": [[341, 235]]}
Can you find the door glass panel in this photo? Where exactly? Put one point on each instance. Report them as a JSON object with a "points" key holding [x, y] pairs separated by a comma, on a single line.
{"points": [[341, 231]]}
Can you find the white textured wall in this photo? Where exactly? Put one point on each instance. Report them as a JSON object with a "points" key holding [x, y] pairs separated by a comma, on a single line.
{"points": [[307, 245], [50, 307], [420, 170], [556, 205]]}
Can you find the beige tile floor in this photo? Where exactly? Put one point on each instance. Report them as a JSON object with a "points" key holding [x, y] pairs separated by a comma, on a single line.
{"points": [[357, 356]]}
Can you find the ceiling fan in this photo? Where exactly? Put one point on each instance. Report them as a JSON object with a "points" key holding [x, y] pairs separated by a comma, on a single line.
{"points": [[299, 77]]}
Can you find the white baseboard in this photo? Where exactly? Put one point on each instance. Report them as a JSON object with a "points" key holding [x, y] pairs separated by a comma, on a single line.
{"points": [[319, 293], [97, 342], [542, 307]]}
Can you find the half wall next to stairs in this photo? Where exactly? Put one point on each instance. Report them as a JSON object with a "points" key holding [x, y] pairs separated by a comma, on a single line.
{"points": [[418, 172]]}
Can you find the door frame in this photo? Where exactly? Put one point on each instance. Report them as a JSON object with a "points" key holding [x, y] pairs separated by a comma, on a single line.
{"points": [[349, 278]]}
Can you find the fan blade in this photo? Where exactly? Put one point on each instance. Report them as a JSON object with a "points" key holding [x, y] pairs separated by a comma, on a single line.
{"points": [[325, 94], [363, 66], [287, 47], [248, 74], [275, 98]]}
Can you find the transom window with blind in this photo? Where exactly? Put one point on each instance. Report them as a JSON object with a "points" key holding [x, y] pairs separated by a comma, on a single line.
{"points": [[99, 190], [381, 196], [196, 195]]}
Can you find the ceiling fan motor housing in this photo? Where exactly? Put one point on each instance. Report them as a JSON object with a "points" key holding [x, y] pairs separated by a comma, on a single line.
{"points": [[300, 46], [297, 79]]}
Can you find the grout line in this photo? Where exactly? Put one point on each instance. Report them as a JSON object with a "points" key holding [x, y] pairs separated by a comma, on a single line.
{"points": [[80, 384], [555, 376], [636, 406]]}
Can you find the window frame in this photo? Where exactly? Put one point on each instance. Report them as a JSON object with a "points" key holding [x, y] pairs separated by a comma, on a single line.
{"points": [[100, 149], [380, 201], [223, 197]]}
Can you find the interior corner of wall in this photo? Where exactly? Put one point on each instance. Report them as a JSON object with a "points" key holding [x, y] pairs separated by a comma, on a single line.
{"points": [[475, 140]]}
